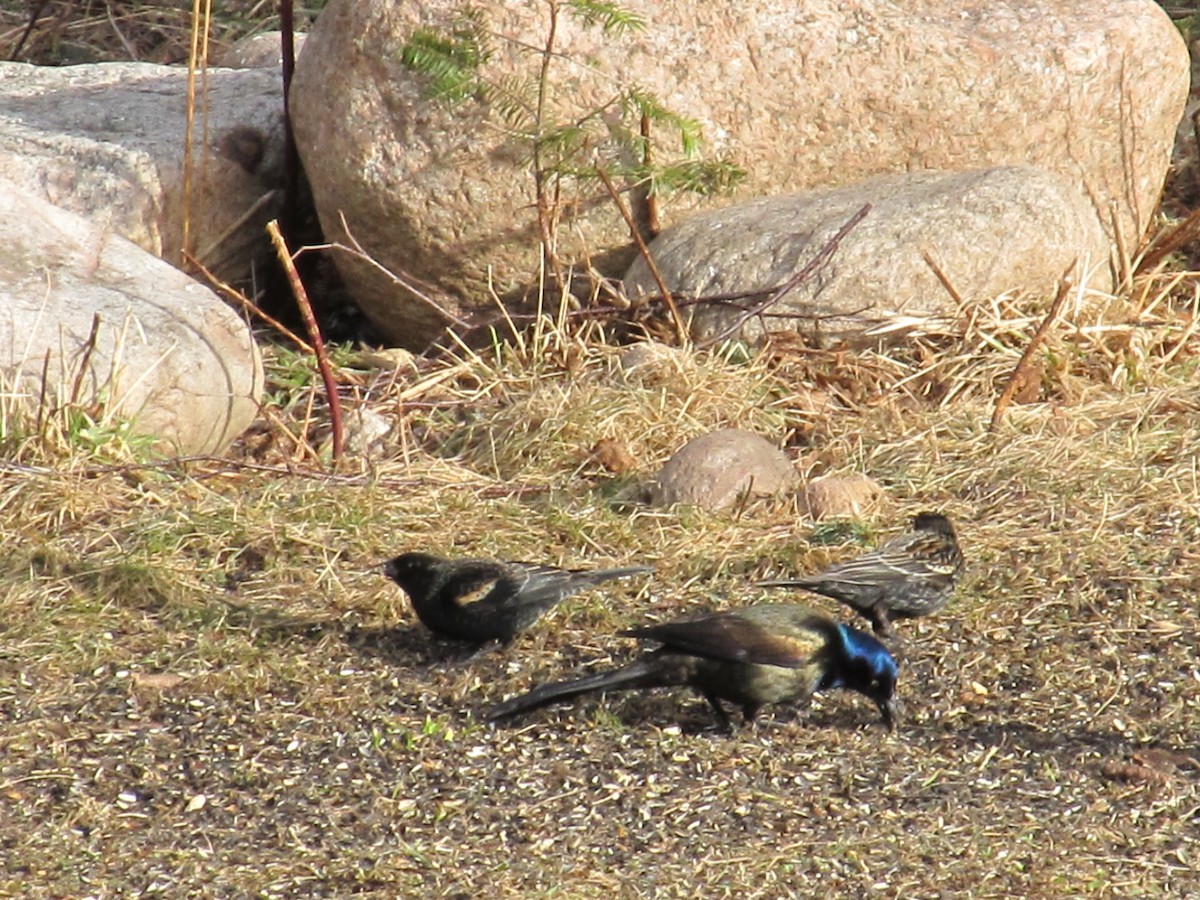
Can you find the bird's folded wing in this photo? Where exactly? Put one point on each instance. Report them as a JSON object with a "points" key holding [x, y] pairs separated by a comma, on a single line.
{"points": [[883, 567], [735, 639], [538, 585], [475, 579], [531, 584]]}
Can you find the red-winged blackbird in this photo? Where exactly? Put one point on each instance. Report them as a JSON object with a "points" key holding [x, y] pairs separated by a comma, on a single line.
{"points": [[751, 657], [483, 600], [911, 575]]}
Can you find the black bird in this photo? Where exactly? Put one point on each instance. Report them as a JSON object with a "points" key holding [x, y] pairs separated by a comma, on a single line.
{"points": [[484, 600], [911, 575], [751, 657]]}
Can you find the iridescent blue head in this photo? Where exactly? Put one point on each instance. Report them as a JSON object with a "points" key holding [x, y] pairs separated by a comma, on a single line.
{"points": [[866, 666]]}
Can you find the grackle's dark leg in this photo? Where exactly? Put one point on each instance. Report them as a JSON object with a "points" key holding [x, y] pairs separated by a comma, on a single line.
{"points": [[726, 722]]}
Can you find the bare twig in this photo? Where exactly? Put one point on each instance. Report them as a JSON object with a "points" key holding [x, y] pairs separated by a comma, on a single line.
{"points": [[1180, 236], [291, 155], [314, 334], [546, 209], [971, 312], [1124, 262], [733, 300], [943, 279], [1010, 388], [34, 15], [125, 42], [44, 389], [823, 254], [404, 281], [209, 250], [647, 198], [197, 82], [676, 320], [89, 348], [247, 304]]}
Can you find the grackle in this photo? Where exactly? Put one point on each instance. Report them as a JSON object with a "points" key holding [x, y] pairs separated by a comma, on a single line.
{"points": [[484, 600], [750, 657], [911, 575]]}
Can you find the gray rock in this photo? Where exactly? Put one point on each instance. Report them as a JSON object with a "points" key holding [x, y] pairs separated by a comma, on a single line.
{"points": [[645, 357], [258, 51], [368, 433], [714, 470], [801, 93], [830, 497], [107, 141], [989, 231], [168, 353]]}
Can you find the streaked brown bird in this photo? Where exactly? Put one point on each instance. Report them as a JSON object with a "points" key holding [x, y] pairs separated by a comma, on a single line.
{"points": [[909, 576], [483, 600], [775, 653]]}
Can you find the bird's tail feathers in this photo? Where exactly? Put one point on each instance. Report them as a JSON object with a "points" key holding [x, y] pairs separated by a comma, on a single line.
{"points": [[788, 583], [647, 672], [624, 572]]}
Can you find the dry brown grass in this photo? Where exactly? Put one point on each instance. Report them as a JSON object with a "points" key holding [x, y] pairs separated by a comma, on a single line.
{"points": [[208, 689]]}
